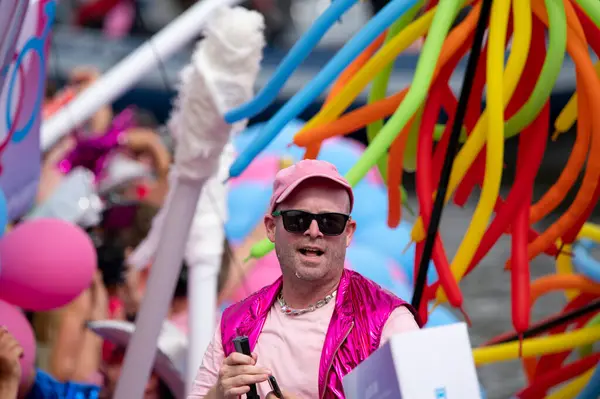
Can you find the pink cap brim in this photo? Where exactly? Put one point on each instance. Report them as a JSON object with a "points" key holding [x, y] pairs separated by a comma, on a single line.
{"points": [[295, 184]]}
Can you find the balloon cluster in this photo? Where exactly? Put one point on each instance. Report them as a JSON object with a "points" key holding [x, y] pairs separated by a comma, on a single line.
{"points": [[403, 136], [44, 265]]}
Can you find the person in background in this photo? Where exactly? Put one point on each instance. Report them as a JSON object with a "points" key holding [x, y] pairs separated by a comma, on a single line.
{"points": [[318, 321], [165, 382]]}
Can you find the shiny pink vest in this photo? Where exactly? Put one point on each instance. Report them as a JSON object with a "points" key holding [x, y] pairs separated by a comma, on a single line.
{"points": [[361, 310]]}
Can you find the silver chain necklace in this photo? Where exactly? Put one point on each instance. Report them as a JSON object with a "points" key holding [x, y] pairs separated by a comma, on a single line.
{"points": [[285, 309]]}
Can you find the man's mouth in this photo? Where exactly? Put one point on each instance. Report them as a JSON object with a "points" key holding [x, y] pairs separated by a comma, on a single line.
{"points": [[308, 251]]}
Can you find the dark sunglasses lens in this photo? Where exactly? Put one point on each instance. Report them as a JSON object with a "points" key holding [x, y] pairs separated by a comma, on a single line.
{"points": [[329, 223], [332, 223], [296, 221]]}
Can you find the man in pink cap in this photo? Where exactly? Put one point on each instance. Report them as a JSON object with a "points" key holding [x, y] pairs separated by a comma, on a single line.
{"points": [[318, 321]]}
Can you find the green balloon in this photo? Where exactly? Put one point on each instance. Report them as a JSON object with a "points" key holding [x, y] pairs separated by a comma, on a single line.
{"points": [[410, 152], [592, 9], [260, 249], [557, 21]]}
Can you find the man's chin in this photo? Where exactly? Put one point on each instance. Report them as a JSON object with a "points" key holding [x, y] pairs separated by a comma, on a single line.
{"points": [[310, 273]]}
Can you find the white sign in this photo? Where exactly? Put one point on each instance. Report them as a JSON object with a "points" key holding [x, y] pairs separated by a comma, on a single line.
{"points": [[433, 363]]}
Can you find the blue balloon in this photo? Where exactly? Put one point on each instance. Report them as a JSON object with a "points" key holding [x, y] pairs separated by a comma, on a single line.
{"points": [[592, 389], [372, 264], [292, 60], [393, 242], [343, 158], [279, 146], [439, 317], [407, 261], [370, 205], [388, 15], [3, 213], [583, 261], [402, 291], [247, 202]]}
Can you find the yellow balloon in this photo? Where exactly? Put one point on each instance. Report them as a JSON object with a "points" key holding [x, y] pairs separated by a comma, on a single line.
{"points": [[574, 387], [500, 88], [540, 346], [590, 231], [565, 266], [380, 60]]}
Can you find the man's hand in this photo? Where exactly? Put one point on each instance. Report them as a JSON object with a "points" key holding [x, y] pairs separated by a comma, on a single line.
{"points": [[10, 353], [237, 373]]}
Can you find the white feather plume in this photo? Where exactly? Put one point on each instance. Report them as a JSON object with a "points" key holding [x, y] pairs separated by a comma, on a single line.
{"points": [[220, 77]]}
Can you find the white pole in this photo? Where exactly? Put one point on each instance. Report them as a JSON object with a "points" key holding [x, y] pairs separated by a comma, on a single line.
{"points": [[141, 350], [202, 296], [129, 71], [220, 77]]}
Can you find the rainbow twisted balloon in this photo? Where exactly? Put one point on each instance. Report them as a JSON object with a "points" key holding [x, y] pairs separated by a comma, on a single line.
{"points": [[517, 104]]}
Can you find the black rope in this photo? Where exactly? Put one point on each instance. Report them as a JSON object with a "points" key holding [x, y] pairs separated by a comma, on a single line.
{"points": [[552, 322], [453, 144]]}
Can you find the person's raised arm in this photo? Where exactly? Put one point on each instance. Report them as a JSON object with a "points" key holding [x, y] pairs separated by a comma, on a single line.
{"points": [[76, 352], [10, 369], [65, 351]]}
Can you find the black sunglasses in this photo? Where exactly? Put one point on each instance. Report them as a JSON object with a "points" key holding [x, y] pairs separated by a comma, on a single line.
{"points": [[330, 223]]}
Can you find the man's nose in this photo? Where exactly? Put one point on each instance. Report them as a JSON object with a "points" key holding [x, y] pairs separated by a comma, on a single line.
{"points": [[313, 230]]}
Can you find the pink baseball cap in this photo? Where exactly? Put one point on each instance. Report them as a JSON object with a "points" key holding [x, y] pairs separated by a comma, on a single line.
{"points": [[288, 179]]}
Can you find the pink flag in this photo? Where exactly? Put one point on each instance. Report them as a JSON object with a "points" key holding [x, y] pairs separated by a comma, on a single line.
{"points": [[25, 28]]}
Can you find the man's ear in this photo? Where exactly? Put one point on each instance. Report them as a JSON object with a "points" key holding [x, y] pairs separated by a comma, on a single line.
{"points": [[270, 225], [350, 229]]}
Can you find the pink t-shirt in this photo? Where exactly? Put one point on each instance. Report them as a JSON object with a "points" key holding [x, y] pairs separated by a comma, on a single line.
{"points": [[291, 348]]}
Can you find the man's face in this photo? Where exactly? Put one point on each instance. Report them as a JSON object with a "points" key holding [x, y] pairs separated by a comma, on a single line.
{"points": [[315, 196], [111, 370]]}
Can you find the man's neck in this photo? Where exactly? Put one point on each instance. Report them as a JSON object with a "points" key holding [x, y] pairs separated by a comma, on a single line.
{"points": [[299, 294]]}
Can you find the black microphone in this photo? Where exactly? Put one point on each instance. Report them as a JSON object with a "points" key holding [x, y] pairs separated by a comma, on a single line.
{"points": [[242, 345]]}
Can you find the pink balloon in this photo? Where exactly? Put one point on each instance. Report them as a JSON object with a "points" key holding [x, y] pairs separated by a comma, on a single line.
{"points": [[18, 326], [45, 264], [261, 170]]}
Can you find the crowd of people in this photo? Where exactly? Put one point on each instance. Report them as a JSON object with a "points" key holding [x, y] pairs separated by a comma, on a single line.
{"points": [[73, 353]]}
